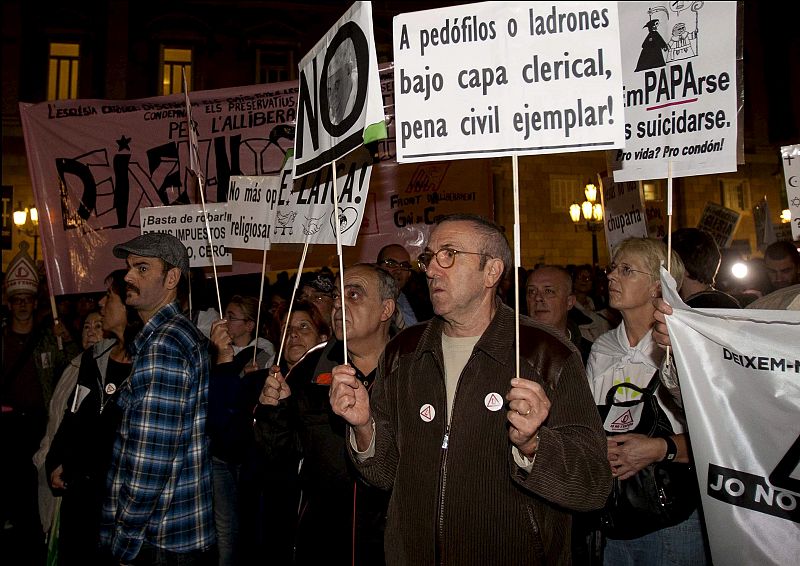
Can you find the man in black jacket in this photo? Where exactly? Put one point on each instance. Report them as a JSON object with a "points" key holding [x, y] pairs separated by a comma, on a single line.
{"points": [[484, 460], [342, 519]]}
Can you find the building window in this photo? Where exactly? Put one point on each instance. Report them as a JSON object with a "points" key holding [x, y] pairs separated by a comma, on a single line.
{"points": [[62, 79], [173, 62], [652, 190], [274, 66], [565, 190], [735, 194]]}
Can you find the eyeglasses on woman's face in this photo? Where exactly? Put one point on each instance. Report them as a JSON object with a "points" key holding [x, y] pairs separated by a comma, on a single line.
{"points": [[625, 270]]}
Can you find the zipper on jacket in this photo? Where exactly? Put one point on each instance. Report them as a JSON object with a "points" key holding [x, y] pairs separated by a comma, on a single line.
{"points": [[443, 465], [442, 483]]}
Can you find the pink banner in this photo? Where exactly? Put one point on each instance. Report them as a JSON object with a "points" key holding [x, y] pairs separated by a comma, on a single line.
{"points": [[95, 163]]}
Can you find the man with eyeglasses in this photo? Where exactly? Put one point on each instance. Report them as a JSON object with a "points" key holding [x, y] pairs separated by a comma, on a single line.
{"points": [[484, 463], [31, 363], [342, 520], [395, 260]]}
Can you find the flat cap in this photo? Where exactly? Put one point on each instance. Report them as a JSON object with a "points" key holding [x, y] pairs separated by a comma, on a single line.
{"points": [[156, 244]]}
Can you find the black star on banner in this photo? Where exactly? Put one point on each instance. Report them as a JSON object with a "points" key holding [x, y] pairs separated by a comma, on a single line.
{"points": [[124, 143]]}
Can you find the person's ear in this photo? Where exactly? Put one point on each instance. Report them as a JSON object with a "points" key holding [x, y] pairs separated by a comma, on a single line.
{"points": [[655, 290], [493, 271], [173, 278], [388, 307], [571, 301]]}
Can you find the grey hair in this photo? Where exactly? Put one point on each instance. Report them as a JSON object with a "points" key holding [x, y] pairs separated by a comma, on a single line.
{"points": [[494, 243]]}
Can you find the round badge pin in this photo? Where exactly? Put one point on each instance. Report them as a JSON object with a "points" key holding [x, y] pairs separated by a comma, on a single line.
{"points": [[427, 412], [493, 401], [110, 388]]}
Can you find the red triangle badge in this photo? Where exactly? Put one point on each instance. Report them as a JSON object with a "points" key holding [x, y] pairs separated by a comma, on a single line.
{"points": [[624, 420]]}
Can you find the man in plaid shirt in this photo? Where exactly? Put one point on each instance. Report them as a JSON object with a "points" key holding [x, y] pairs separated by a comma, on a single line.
{"points": [[159, 507]]}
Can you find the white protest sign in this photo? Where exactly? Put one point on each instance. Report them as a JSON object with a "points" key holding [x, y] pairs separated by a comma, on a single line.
{"points": [[790, 155], [339, 106], [187, 223], [305, 209], [679, 61], [738, 372], [502, 78], [252, 204], [720, 222], [625, 216]]}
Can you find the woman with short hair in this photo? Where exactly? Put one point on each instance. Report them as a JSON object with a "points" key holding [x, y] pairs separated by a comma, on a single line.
{"points": [[628, 354]]}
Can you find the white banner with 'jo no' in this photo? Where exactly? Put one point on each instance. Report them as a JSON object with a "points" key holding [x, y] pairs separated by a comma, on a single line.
{"points": [[740, 380]]}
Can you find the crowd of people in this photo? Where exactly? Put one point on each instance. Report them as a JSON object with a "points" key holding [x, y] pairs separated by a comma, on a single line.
{"points": [[384, 422]]}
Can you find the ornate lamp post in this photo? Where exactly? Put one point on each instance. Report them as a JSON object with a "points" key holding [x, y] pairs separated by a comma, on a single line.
{"points": [[590, 212], [21, 222]]}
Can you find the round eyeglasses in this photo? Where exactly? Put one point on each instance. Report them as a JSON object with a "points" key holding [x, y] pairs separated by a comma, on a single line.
{"points": [[445, 257]]}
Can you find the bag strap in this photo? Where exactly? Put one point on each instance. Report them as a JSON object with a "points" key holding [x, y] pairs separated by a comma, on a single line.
{"points": [[649, 389], [654, 382]]}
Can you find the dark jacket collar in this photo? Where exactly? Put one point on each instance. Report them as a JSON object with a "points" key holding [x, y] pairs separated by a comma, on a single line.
{"points": [[496, 341]]}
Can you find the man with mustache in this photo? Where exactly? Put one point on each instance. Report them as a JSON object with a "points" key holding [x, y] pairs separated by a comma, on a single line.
{"points": [[159, 509], [484, 462], [342, 520]]}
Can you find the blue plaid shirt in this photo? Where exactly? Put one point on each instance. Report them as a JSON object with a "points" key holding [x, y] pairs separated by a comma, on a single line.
{"points": [[160, 477]]}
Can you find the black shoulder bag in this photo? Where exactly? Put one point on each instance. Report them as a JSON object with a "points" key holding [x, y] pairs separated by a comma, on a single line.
{"points": [[662, 494]]}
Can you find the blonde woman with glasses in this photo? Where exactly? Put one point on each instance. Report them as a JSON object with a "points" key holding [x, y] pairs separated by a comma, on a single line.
{"points": [[628, 354]]}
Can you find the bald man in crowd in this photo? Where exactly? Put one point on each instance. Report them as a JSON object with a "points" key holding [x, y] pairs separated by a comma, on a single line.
{"points": [[549, 296]]}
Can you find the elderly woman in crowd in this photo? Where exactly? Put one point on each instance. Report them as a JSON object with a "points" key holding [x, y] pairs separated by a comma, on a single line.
{"points": [[270, 513], [80, 455], [306, 329], [628, 354]]}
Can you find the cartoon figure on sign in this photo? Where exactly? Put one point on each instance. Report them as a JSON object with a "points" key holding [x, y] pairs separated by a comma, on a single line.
{"points": [[657, 52], [312, 226], [653, 47], [347, 218], [683, 41], [285, 221], [680, 44]]}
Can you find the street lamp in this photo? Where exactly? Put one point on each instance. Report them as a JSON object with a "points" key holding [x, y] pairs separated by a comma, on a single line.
{"points": [[21, 220], [590, 212]]}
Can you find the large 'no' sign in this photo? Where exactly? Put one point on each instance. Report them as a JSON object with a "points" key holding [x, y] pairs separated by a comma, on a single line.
{"points": [[340, 105]]}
